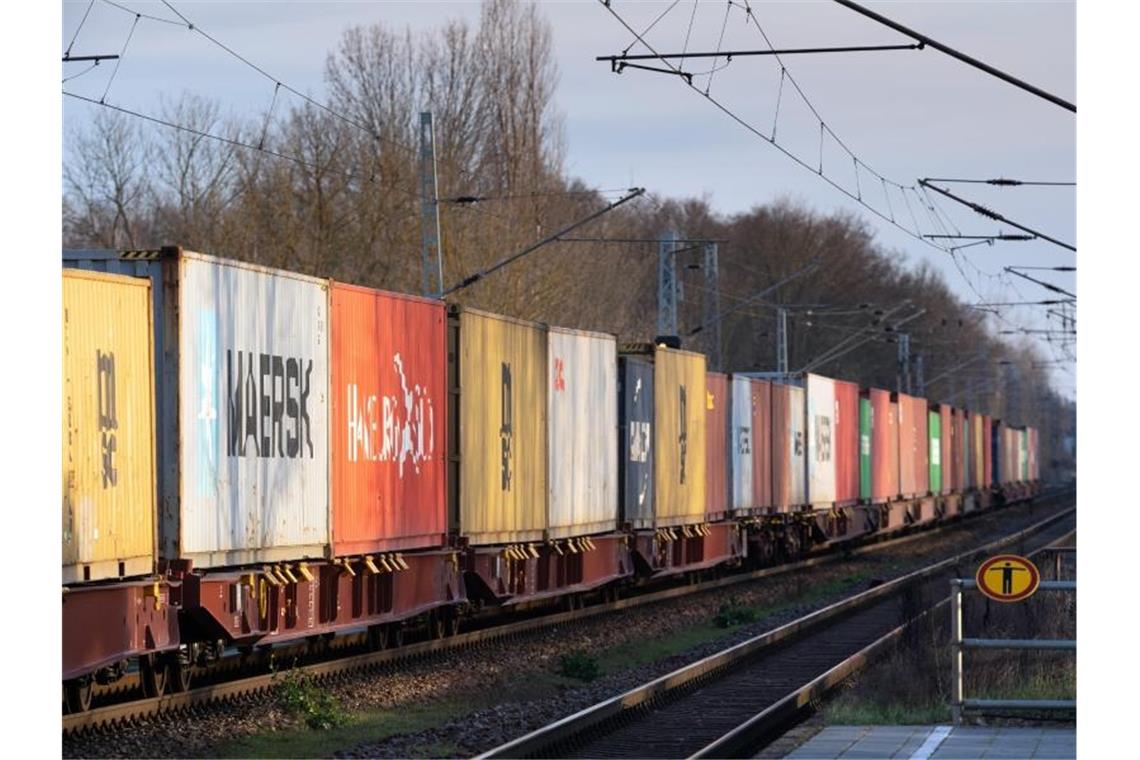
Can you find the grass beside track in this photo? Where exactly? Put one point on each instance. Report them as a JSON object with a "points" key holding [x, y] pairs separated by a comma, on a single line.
{"points": [[758, 603], [370, 725], [911, 685]]}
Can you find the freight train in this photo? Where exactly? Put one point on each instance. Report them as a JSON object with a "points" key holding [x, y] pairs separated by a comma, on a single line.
{"points": [[253, 456]]}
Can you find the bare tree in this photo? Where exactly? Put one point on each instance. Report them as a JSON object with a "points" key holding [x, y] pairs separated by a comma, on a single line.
{"points": [[107, 191]]}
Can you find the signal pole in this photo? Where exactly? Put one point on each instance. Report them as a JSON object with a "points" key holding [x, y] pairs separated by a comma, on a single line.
{"points": [[429, 208], [667, 285], [712, 305], [782, 340]]}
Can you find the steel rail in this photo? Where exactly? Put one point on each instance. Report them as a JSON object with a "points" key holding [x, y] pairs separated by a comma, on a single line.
{"points": [[539, 741], [748, 735], [125, 712]]}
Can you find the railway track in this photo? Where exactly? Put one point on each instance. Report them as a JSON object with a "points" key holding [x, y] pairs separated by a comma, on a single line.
{"points": [[110, 716], [728, 704]]}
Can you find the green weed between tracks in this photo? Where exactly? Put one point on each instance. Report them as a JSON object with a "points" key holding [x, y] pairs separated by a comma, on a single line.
{"points": [[299, 695], [579, 665], [359, 728]]}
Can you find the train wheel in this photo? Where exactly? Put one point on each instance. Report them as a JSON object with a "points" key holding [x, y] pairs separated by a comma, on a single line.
{"points": [[377, 637], [436, 627], [179, 674], [77, 693], [153, 675], [451, 621]]}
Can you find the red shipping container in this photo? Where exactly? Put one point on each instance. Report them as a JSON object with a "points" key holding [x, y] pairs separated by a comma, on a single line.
{"points": [[846, 442], [948, 438], [716, 445], [914, 473], [788, 447], [762, 442], [884, 446], [958, 452], [388, 422]]}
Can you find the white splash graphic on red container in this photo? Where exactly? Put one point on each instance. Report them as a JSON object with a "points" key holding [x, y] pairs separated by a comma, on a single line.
{"points": [[392, 428]]}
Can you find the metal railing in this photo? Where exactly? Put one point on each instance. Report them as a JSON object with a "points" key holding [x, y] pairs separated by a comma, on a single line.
{"points": [[959, 644]]}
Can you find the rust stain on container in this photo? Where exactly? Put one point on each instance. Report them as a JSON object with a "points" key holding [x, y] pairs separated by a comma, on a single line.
{"points": [[501, 395], [388, 420], [679, 468], [109, 480]]}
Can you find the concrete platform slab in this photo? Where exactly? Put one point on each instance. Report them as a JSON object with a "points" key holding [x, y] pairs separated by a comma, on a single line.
{"points": [[939, 743]]}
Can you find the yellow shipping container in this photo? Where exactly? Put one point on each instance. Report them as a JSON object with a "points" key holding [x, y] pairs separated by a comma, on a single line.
{"points": [[108, 427], [502, 428], [679, 464]]}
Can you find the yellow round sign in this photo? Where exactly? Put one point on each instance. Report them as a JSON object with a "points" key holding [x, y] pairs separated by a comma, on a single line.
{"points": [[1008, 578]]}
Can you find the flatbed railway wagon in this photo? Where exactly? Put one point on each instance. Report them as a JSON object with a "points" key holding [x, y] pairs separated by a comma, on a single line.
{"points": [[534, 459], [664, 414], [114, 606], [282, 516], [254, 456]]}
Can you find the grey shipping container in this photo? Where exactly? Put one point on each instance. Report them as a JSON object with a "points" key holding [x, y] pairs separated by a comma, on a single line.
{"points": [[635, 443]]}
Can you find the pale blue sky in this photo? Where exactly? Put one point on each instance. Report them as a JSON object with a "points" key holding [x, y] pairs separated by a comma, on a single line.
{"points": [[907, 114]]}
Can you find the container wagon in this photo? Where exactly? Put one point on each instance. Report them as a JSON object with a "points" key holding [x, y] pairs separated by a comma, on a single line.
{"points": [[253, 456]]}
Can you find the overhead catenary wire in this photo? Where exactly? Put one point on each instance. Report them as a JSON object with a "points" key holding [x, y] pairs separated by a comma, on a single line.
{"points": [[1003, 182], [483, 273], [119, 60], [970, 60], [220, 138], [82, 21], [772, 138], [886, 184], [990, 214]]}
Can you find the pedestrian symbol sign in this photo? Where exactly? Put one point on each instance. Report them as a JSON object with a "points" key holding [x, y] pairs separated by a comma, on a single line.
{"points": [[1008, 578]]}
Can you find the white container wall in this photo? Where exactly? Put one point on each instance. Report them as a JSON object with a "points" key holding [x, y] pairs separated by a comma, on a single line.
{"points": [[740, 443], [253, 426], [582, 433], [820, 440]]}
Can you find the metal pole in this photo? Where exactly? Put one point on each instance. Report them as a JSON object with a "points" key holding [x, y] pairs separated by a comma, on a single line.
{"points": [[429, 208], [956, 683], [782, 340], [920, 386], [904, 363], [667, 285], [712, 306]]}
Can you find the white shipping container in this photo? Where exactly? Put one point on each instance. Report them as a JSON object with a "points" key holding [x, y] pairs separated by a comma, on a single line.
{"points": [[740, 444], [820, 440], [582, 433], [253, 426]]}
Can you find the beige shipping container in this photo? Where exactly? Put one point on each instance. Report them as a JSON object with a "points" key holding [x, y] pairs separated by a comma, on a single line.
{"points": [[109, 490], [679, 451], [501, 378]]}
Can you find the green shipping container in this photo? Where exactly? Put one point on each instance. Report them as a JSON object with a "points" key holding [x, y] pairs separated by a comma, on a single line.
{"points": [[865, 449], [934, 434]]}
